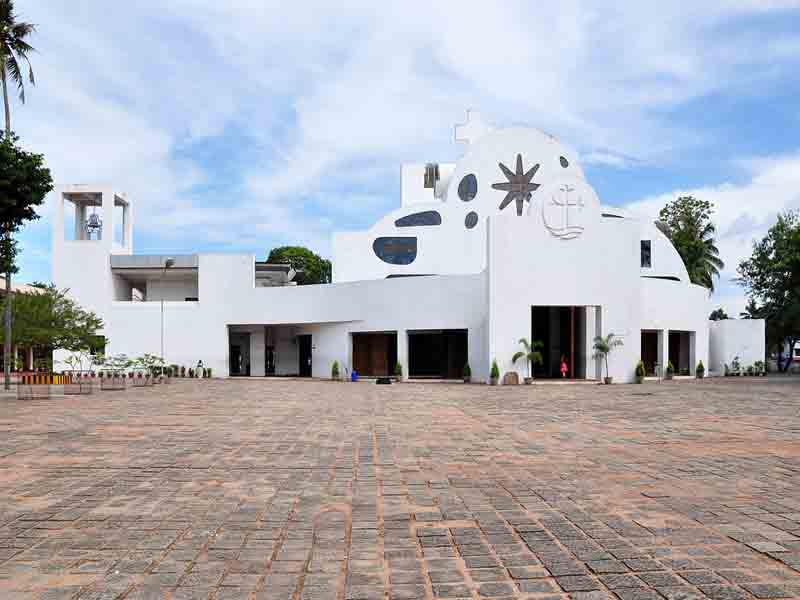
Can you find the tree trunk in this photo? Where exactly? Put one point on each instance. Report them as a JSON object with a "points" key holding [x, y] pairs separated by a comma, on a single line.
{"points": [[6, 104], [7, 336], [7, 340]]}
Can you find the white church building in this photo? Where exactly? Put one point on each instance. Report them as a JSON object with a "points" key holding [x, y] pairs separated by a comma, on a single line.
{"points": [[510, 242]]}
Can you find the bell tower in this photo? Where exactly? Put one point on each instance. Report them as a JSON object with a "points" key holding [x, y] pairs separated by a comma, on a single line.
{"points": [[91, 223]]}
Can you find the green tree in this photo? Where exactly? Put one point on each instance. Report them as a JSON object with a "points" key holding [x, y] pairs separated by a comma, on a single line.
{"points": [[718, 314], [14, 51], [315, 268], [50, 318], [771, 278], [687, 223], [25, 181]]}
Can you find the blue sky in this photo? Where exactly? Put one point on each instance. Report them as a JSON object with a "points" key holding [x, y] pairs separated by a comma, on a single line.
{"points": [[238, 126]]}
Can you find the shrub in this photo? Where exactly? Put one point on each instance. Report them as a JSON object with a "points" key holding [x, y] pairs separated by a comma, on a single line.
{"points": [[398, 369], [467, 372], [759, 365], [183, 371], [670, 368], [495, 372], [640, 372], [335, 370], [701, 369], [191, 373]]}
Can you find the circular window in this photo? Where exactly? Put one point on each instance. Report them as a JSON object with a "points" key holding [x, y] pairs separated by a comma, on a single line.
{"points": [[564, 162], [468, 187], [471, 220]]}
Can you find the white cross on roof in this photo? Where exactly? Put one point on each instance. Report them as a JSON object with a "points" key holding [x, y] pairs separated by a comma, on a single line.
{"points": [[474, 128]]}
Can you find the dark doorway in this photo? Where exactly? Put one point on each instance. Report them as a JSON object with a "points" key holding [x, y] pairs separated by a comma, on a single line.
{"points": [[679, 351], [650, 351], [562, 331], [304, 354], [269, 360], [239, 354], [439, 354], [374, 354]]}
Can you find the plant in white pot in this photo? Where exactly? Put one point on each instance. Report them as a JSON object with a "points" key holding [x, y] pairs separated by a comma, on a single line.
{"points": [[494, 373], [531, 353], [602, 348]]}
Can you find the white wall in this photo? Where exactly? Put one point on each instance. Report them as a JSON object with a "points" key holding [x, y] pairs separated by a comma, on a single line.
{"points": [[176, 290], [677, 306], [730, 338]]}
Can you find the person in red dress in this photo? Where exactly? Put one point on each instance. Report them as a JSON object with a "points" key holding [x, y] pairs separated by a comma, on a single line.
{"points": [[563, 367]]}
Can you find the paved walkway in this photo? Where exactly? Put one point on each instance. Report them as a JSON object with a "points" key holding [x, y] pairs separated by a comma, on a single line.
{"points": [[316, 490]]}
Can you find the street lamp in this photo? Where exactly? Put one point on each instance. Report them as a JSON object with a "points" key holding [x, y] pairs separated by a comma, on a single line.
{"points": [[168, 263]]}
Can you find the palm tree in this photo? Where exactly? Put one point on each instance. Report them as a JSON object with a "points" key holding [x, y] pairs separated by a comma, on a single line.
{"points": [[14, 50], [603, 347], [687, 223], [531, 353]]}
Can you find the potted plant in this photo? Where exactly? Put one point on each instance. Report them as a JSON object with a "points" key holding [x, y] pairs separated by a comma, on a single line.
{"points": [[736, 367], [640, 372], [335, 370], [700, 371], [531, 353], [670, 371], [494, 374], [760, 368], [602, 348], [466, 373]]}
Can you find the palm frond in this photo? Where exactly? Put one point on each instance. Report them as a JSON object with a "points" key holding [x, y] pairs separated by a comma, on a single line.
{"points": [[16, 76], [517, 356]]}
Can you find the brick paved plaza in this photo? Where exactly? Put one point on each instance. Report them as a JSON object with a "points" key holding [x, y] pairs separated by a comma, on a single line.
{"points": [[313, 490]]}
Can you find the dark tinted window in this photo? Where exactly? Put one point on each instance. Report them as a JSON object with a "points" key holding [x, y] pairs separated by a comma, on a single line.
{"points": [[471, 220], [564, 162], [420, 219], [646, 254], [396, 250], [468, 187]]}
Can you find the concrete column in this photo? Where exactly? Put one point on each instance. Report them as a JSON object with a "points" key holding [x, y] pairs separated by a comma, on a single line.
{"points": [[80, 222], [257, 352], [402, 351], [663, 353], [127, 226], [30, 359]]}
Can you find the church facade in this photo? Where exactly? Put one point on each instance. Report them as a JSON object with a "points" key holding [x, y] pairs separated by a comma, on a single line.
{"points": [[510, 242]]}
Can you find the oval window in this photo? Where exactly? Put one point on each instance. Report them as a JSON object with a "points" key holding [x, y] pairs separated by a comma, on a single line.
{"points": [[396, 250], [468, 187], [471, 220], [564, 162], [420, 219]]}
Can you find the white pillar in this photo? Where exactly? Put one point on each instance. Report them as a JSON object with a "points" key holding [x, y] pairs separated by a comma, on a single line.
{"points": [[402, 351], [257, 352]]}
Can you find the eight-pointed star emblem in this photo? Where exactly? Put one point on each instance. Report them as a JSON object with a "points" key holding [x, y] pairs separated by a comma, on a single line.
{"points": [[518, 186]]}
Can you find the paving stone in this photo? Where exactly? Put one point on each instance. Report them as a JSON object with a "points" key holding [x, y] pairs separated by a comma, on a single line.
{"points": [[274, 488]]}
